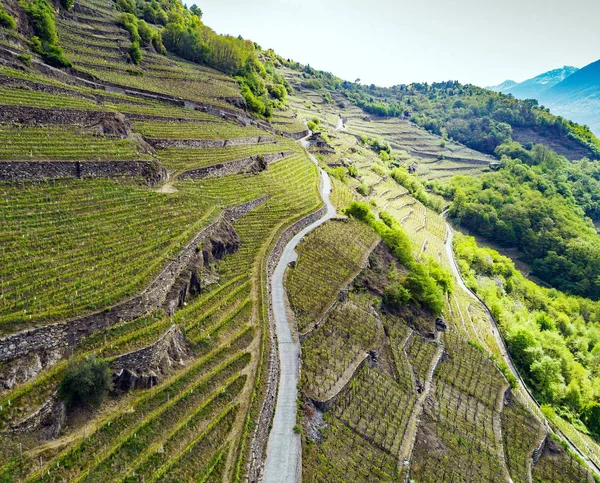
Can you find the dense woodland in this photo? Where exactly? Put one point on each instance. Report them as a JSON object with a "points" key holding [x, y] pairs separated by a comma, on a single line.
{"points": [[542, 204]]}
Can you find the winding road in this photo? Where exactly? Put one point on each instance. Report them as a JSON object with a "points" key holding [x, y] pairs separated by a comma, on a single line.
{"points": [[502, 345], [283, 463]]}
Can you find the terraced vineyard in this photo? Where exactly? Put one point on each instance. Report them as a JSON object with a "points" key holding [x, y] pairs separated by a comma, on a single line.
{"points": [[329, 258], [143, 208]]}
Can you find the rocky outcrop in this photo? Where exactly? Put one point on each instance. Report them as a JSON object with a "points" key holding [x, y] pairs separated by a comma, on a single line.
{"points": [[146, 367], [150, 171], [60, 338], [200, 270], [47, 421], [251, 164]]}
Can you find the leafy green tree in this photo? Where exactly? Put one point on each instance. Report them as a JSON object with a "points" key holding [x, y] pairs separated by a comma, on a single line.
{"points": [[85, 383]]}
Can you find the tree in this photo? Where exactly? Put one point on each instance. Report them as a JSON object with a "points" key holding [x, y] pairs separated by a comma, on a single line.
{"points": [[86, 383], [196, 11]]}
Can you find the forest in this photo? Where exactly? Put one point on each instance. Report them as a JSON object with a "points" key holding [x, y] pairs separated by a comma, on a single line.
{"points": [[541, 204]]}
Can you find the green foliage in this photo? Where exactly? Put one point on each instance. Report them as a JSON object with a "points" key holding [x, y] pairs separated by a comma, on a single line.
{"points": [[134, 54], [86, 383], [25, 58], [45, 41], [67, 4], [427, 282], [538, 205], [396, 296], [553, 338], [470, 115], [6, 20], [417, 189]]}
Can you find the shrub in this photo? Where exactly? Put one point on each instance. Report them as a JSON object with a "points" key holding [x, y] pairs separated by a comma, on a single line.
{"points": [[86, 383], [424, 289], [45, 41], [55, 56], [255, 104], [396, 296], [67, 4], [6, 20], [135, 53], [127, 6], [277, 91], [130, 23], [26, 59]]}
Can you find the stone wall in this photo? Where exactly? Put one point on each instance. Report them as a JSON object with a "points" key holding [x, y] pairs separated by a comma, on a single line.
{"points": [[48, 419], [210, 143], [59, 337], [249, 164], [144, 368], [261, 432], [152, 172]]}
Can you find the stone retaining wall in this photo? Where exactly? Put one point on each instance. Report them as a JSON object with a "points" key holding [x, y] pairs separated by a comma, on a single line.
{"points": [[249, 164], [152, 172], [210, 143], [61, 336]]}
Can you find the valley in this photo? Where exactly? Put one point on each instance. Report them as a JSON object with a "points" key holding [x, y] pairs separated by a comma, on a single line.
{"points": [[218, 264]]}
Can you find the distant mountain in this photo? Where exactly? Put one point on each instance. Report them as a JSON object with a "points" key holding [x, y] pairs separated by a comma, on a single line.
{"points": [[577, 97], [569, 92], [533, 88], [505, 86]]}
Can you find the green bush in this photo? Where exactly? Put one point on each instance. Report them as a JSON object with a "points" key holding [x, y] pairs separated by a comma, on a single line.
{"points": [[396, 296], [277, 91], [424, 289], [26, 59], [135, 53], [45, 41], [130, 23], [85, 383], [67, 4], [6, 20]]}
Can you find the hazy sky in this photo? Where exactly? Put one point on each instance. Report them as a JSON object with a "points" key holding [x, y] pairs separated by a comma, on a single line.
{"points": [[388, 42]]}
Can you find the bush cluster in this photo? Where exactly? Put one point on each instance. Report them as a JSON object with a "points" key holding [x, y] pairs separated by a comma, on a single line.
{"points": [[85, 383], [426, 283], [45, 41]]}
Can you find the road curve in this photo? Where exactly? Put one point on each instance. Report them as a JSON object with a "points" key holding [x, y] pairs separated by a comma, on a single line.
{"points": [[502, 345], [283, 463]]}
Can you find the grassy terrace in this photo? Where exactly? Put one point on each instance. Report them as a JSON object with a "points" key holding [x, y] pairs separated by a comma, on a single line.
{"points": [[559, 465], [182, 159], [377, 408], [64, 143], [328, 258], [521, 434], [460, 419], [60, 255], [345, 455], [194, 413], [335, 348], [195, 130]]}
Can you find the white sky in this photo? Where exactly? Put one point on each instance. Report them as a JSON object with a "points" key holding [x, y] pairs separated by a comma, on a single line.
{"points": [[388, 42]]}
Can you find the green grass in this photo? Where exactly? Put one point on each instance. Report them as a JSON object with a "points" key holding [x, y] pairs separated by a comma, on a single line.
{"points": [[328, 258], [339, 342], [64, 143]]}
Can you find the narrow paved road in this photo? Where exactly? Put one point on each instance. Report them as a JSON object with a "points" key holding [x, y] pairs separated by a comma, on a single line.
{"points": [[283, 463], [502, 345]]}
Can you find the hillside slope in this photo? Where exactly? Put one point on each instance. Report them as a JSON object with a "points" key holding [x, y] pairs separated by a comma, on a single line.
{"points": [[150, 180]]}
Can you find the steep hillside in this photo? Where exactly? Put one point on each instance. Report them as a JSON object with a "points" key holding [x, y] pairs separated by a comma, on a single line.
{"points": [[153, 189]]}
